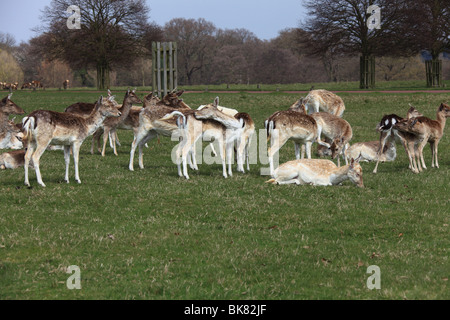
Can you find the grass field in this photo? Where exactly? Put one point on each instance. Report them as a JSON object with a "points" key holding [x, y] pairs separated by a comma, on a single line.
{"points": [[149, 234]]}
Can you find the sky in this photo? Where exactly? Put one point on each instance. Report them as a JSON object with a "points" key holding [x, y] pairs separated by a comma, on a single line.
{"points": [[265, 18]]}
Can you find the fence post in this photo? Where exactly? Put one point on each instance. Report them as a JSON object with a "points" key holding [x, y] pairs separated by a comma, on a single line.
{"points": [[367, 72], [164, 67]]}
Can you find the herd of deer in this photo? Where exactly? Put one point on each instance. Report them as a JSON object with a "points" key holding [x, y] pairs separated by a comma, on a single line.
{"points": [[316, 118]]}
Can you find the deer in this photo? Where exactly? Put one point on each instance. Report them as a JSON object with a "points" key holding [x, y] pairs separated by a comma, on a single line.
{"points": [[150, 124], [317, 172], [292, 125], [43, 127], [13, 160], [369, 151], [324, 100], [209, 124], [335, 129], [245, 140], [110, 125], [10, 137], [7, 107], [426, 131], [388, 131]]}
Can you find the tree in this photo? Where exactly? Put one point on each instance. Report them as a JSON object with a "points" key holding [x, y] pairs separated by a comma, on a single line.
{"points": [[195, 39], [430, 20], [341, 27], [111, 34]]}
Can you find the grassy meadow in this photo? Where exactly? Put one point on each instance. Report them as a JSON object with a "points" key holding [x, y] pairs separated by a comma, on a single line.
{"points": [[151, 235]]}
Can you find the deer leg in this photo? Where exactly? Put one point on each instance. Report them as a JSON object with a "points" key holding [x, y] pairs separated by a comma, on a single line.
{"points": [[421, 146], [436, 153], [105, 141], [308, 149], [276, 142], [67, 160], [297, 150], [28, 155], [35, 158], [113, 135], [76, 156], [383, 137]]}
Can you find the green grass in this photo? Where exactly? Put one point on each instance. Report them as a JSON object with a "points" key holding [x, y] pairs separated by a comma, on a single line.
{"points": [[334, 86], [152, 235]]}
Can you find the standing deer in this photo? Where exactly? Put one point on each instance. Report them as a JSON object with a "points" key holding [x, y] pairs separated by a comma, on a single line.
{"points": [[150, 124], [292, 125], [317, 172], [324, 100], [110, 125], [210, 125], [337, 130], [426, 131], [43, 127], [389, 132]]}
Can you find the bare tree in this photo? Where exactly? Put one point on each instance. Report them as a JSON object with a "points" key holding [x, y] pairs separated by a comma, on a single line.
{"points": [[111, 34], [194, 38], [341, 27]]}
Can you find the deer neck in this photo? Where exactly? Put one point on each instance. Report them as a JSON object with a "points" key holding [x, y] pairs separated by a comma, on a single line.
{"points": [[339, 175], [125, 109], [94, 121], [440, 117]]}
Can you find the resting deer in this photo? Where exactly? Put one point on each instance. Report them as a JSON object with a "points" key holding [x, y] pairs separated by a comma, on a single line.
{"points": [[7, 107], [110, 125], [317, 172], [10, 137], [427, 130], [211, 125], [150, 124], [388, 131], [326, 101], [369, 151], [13, 160], [43, 127], [292, 125]]}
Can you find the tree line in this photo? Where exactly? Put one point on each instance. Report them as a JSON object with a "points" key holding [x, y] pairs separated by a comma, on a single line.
{"points": [[113, 46]]}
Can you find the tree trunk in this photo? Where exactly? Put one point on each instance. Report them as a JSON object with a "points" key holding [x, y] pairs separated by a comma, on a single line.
{"points": [[102, 76], [434, 72], [367, 72]]}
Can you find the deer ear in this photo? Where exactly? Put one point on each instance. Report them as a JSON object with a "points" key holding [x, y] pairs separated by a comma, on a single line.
{"points": [[179, 93], [100, 100], [352, 163], [9, 96], [216, 102]]}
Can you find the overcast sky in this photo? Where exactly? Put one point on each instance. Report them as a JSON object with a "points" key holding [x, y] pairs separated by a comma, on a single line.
{"points": [[265, 18]]}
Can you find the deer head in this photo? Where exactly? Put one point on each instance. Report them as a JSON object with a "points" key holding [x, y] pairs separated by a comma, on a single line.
{"points": [[7, 106], [355, 172]]}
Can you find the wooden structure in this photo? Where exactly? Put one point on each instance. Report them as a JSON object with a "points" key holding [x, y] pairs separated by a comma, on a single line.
{"points": [[367, 72], [164, 67], [434, 73]]}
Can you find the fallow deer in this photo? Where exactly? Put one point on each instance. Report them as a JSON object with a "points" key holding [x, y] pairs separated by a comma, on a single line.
{"points": [[388, 131], [369, 151], [43, 127], [10, 137], [245, 140], [13, 160], [317, 172], [326, 101], [426, 131], [335, 129], [210, 126], [150, 125], [292, 125], [111, 124], [7, 107]]}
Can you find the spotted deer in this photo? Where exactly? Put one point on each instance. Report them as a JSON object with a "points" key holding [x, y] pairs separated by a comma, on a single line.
{"points": [[326, 101], [43, 127], [292, 125], [10, 137], [389, 132], [150, 124], [211, 125], [110, 125], [336, 130], [13, 160], [317, 172], [7, 107], [426, 130]]}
